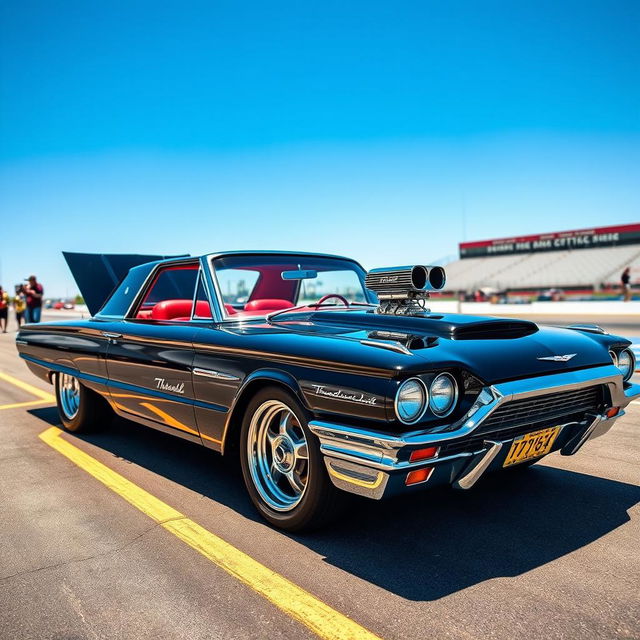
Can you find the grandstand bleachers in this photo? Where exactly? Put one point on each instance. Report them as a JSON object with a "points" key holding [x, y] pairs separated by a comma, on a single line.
{"points": [[588, 268]]}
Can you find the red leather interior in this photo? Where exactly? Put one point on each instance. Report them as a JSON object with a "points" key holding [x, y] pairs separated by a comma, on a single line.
{"points": [[179, 310], [203, 310], [271, 286], [171, 309], [268, 304]]}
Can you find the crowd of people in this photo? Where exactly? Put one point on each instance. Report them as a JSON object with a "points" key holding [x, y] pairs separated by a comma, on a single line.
{"points": [[26, 303]]}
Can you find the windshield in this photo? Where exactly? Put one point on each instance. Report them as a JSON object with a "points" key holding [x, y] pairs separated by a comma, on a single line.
{"points": [[255, 285]]}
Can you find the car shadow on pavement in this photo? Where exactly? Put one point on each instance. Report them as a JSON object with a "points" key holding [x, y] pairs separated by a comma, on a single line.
{"points": [[188, 464], [420, 547]]}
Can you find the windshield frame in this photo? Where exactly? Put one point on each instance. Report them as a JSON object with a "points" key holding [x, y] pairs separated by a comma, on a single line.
{"points": [[219, 302]]}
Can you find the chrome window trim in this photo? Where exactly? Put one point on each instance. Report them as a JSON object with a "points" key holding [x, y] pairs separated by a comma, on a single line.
{"points": [[145, 285], [201, 277], [211, 257], [212, 292], [195, 293]]}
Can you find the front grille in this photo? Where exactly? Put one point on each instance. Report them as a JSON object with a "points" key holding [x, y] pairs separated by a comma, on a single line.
{"points": [[549, 407], [518, 417]]}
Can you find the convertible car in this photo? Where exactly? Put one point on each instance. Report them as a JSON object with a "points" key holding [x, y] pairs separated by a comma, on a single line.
{"points": [[324, 379]]}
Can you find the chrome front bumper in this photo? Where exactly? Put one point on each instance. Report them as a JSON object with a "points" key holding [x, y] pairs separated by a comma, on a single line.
{"points": [[363, 462]]}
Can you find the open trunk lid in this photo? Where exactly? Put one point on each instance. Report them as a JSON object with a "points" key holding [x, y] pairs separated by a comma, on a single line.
{"points": [[98, 274]]}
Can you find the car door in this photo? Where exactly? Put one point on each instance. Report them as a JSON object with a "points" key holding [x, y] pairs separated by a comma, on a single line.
{"points": [[218, 373], [150, 353]]}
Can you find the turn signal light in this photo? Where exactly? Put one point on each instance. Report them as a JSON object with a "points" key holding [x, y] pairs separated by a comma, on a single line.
{"points": [[614, 411], [418, 476], [423, 454]]}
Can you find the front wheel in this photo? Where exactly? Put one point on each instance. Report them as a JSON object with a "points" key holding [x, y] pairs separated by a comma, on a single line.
{"points": [[282, 465], [79, 408]]}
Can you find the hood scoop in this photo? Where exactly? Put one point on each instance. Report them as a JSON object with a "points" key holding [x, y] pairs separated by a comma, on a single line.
{"points": [[452, 326], [494, 330], [400, 342]]}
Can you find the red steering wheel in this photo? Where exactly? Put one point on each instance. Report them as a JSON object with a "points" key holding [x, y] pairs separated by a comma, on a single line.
{"points": [[332, 295]]}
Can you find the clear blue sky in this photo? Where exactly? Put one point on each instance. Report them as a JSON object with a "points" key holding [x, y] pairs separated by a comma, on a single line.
{"points": [[389, 131]]}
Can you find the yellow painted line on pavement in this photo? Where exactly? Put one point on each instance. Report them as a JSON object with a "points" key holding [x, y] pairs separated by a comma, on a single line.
{"points": [[28, 403], [138, 497], [45, 397], [287, 596]]}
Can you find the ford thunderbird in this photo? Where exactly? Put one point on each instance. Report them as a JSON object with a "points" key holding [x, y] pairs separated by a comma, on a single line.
{"points": [[323, 379]]}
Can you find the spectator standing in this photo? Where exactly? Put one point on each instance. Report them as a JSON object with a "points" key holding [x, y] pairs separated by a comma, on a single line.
{"points": [[4, 309], [625, 279], [20, 304], [34, 292]]}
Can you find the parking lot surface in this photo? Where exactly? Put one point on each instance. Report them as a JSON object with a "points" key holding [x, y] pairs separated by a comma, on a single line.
{"points": [[548, 553]]}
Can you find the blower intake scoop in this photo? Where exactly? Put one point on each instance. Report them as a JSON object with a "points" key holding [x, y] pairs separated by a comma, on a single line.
{"points": [[403, 290]]}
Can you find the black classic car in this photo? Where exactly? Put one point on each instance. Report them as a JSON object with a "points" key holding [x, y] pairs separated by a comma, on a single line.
{"points": [[322, 378]]}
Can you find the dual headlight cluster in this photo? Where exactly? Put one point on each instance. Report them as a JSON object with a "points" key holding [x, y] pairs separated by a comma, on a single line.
{"points": [[625, 360], [413, 398]]}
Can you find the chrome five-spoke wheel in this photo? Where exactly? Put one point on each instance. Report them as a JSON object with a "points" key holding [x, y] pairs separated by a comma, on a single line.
{"points": [[69, 390], [278, 455]]}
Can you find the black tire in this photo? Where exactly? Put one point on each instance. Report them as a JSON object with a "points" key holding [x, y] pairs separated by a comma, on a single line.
{"points": [[321, 502], [92, 412]]}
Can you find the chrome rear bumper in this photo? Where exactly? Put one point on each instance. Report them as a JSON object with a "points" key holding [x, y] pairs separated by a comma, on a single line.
{"points": [[362, 461]]}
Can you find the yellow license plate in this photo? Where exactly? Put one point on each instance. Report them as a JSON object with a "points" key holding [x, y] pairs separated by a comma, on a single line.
{"points": [[531, 445]]}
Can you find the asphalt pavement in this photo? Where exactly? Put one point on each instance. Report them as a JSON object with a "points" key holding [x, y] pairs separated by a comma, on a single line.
{"points": [[548, 553]]}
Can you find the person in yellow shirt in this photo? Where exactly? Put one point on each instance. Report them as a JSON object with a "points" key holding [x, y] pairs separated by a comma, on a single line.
{"points": [[4, 309], [20, 304]]}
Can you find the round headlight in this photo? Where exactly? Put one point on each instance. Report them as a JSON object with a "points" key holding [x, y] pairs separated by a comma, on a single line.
{"points": [[443, 394], [626, 363], [411, 400]]}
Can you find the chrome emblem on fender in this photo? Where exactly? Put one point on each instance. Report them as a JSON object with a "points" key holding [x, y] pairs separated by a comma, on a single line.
{"points": [[341, 395], [163, 385], [564, 358]]}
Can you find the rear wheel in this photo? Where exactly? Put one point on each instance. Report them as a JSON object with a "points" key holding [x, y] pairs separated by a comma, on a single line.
{"points": [[80, 408], [282, 465]]}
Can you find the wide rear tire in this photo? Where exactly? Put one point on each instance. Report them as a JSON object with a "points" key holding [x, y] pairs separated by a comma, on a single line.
{"points": [[282, 466], [81, 410]]}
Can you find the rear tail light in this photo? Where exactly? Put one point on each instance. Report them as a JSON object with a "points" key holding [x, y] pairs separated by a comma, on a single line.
{"points": [[418, 476]]}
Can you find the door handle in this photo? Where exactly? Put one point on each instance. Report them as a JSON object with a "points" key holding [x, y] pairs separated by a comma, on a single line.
{"points": [[216, 375], [111, 337]]}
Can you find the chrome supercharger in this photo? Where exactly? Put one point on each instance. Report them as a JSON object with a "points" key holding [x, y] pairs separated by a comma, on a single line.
{"points": [[405, 290]]}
